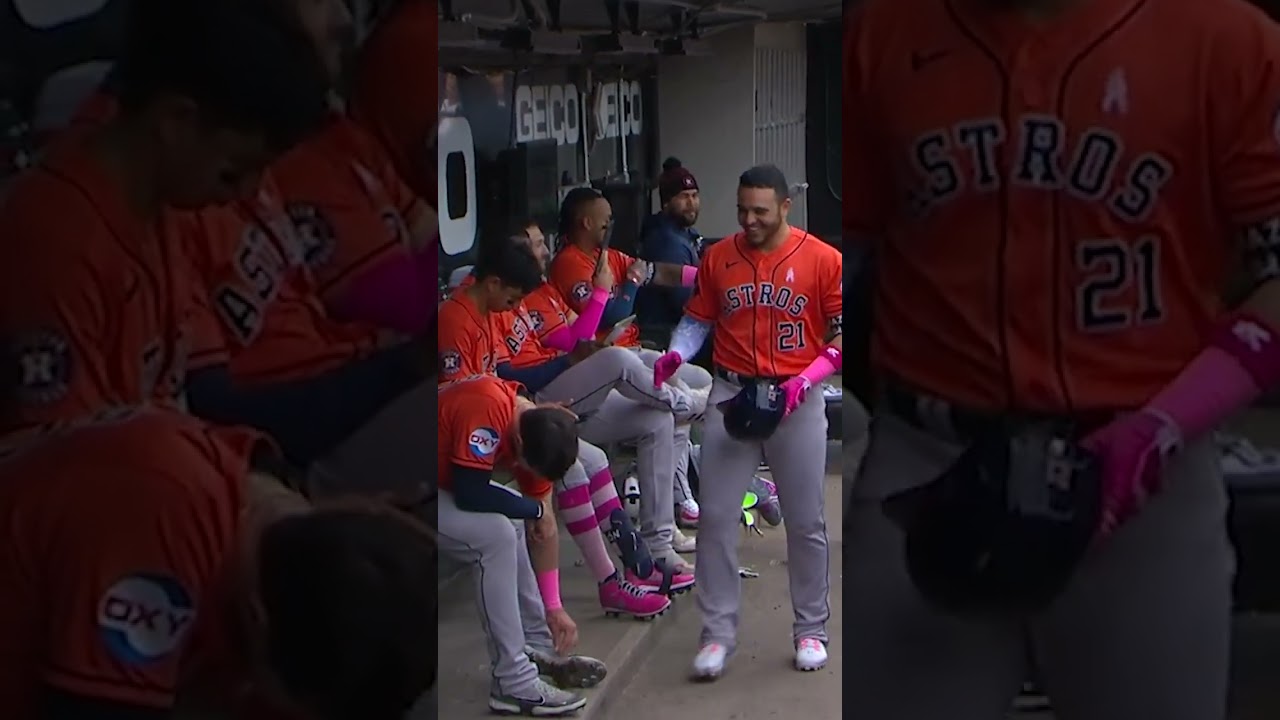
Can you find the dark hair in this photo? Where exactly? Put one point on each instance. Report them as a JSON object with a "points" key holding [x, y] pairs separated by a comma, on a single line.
{"points": [[243, 64], [521, 226], [351, 600], [509, 260], [549, 441], [766, 177], [571, 208]]}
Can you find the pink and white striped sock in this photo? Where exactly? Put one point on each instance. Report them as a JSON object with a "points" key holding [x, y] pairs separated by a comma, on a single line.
{"points": [[604, 497], [580, 517]]}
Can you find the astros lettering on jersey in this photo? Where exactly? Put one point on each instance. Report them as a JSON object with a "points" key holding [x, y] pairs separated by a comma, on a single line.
{"points": [[772, 312], [272, 325], [1065, 169]]}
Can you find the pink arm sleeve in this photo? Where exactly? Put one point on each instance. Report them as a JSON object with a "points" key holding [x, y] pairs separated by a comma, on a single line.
{"points": [[1241, 362], [397, 294], [562, 339], [588, 322]]}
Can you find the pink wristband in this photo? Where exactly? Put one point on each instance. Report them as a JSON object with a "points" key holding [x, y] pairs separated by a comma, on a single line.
{"points": [[688, 275], [1254, 344], [549, 588], [824, 366]]}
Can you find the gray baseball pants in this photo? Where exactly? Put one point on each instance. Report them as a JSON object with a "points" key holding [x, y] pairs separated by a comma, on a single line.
{"points": [[796, 453], [1142, 632], [613, 390]]}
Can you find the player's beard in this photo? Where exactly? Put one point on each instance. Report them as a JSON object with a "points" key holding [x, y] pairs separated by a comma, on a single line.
{"points": [[685, 218], [760, 234]]}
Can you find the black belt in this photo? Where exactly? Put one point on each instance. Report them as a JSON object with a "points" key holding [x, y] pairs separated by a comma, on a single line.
{"points": [[742, 380], [943, 418]]}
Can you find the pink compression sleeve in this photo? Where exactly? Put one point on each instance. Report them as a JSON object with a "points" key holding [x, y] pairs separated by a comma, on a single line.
{"points": [[549, 588], [588, 322], [398, 294], [1241, 362], [824, 366], [689, 275], [562, 339]]}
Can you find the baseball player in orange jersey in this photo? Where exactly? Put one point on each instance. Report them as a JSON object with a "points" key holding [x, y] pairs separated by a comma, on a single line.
{"points": [[485, 424], [95, 296], [772, 300], [586, 221], [1050, 245], [211, 562], [369, 238], [483, 333], [613, 392], [401, 109]]}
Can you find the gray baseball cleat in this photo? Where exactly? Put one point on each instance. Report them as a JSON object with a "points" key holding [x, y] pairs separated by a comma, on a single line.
{"points": [[540, 700], [570, 671]]}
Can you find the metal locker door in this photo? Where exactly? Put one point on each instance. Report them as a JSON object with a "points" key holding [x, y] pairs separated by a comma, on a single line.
{"points": [[781, 95]]}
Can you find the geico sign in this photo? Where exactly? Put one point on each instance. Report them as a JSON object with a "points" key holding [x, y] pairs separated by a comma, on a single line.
{"points": [[554, 112], [456, 165]]}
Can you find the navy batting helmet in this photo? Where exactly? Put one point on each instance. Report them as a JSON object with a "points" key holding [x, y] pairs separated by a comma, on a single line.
{"points": [[1003, 529], [755, 412]]}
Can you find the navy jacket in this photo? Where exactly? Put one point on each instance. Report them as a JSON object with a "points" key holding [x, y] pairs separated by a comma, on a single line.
{"points": [[663, 240]]}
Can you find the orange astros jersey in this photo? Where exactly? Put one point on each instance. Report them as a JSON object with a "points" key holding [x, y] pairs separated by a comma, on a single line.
{"points": [[571, 272], [350, 206], [1055, 237], [771, 312], [402, 108], [471, 342], [547, 310], [273, 326], [122, 619], [96, 306], [474, 416]]}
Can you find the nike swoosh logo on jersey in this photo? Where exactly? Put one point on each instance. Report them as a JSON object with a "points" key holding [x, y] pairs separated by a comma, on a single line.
{"points": [[731, 264], [919, 60]]}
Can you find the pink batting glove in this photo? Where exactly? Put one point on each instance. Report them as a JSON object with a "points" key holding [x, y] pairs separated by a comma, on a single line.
{"points": [[1132, 451], [794, 392], [665, 367]]}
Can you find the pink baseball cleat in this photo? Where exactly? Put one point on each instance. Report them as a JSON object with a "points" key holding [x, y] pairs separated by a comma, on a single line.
{"points": [[621, 597], [662, 581]]}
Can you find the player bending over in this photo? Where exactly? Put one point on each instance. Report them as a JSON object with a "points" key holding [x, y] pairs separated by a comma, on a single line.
{"points": [[485, 425], [771, 299], [153, 562], [1050, 247], [480, 331]]}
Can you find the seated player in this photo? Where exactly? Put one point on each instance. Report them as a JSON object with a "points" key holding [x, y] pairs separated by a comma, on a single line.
{"points": [[282, 362], [484, 424], [96, 293], [478, 337], [184, 574], [613, 390], [586, 219], [369, 238]]}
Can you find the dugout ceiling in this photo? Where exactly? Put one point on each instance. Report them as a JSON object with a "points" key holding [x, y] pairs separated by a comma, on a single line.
{"points": [[532, 32]]}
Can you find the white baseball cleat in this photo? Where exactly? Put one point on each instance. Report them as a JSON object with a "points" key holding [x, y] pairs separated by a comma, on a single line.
{"points": [[708, 664], [682, 543], [811, 654]]}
